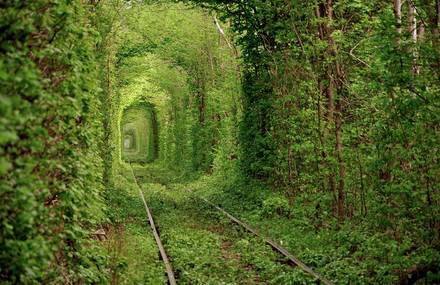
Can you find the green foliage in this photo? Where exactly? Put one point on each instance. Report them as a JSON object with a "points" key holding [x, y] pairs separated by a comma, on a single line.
{"points": [[140, 124], [205, 248], [50, 165], [195, 72], [340, 109], [131, 246], [275, 206], [321, 127]]}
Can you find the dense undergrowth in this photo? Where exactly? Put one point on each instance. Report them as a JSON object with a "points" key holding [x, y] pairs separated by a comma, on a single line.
{"points": [[355, 253], [203, 245], [315, 121], [132, 251]]}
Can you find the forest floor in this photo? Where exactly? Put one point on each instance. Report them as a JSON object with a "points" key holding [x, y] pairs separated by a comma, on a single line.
{"points": [[203, 245]]}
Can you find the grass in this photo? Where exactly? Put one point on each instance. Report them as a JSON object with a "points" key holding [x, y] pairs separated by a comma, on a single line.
{"points": [[135, 256], [204, 246]]}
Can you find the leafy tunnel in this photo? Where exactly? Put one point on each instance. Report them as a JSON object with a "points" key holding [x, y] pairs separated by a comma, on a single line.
{"points": [[139, 133], [315, 121]]}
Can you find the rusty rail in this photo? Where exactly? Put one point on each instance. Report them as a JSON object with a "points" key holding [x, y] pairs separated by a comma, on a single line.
{"points": [[270, 242], [163, 254]]}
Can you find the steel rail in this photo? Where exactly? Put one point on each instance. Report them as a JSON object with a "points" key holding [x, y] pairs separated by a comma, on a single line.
{"points": [[163, 254], [270, 242]]}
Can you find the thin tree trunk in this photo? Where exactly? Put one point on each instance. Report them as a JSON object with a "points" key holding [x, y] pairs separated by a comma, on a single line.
{"points": [[413, 31], [330, 121], [398, 14], [435, 30], [323, 154], [335, 116], [341, 163], [319, 11], [420, 32], [412, 21], [325, 11]]}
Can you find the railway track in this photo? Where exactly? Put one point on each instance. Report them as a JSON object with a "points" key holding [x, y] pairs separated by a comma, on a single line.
{"points": [[275, 246], [163, 254]]}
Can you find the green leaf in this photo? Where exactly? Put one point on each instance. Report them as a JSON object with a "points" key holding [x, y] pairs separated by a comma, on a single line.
{"points": [[4, 165], [7, 136]]}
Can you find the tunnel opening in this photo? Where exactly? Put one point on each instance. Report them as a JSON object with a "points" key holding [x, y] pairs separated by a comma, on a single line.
{"points": [[139, 133]]}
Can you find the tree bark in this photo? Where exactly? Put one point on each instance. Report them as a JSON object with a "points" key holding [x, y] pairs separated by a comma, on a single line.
{"points": [[341, 163], [335, 115], [333, 119], [412, 25], [398, 14], [327, 91], [434, 20], [412, 21]]}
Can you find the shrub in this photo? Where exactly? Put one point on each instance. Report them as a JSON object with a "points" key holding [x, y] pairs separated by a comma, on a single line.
{"points": [[276, 206]]}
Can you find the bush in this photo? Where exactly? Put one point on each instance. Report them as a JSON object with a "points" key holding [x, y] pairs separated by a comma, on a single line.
{"points": [[276, 206]]}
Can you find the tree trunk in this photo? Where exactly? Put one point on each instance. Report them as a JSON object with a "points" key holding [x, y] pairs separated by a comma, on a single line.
{"points": [[412, 24], [341, 163], [335, 76], [434, 20], [333, 118], [398, 14], [330, 121], [412, 21]]}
